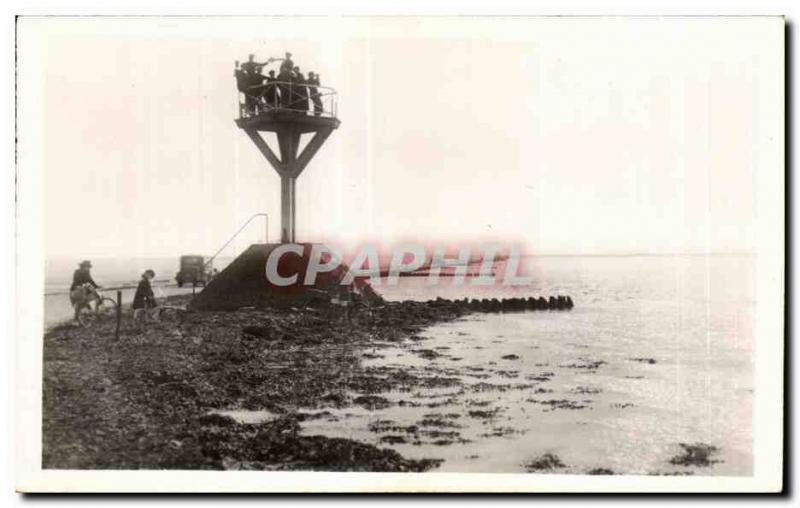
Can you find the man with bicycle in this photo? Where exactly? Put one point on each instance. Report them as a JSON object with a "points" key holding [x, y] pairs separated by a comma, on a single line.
{"points": [[83, 289]]}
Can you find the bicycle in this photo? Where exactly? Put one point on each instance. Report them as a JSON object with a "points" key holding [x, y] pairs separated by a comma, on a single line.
{"points": [[103, 304]]}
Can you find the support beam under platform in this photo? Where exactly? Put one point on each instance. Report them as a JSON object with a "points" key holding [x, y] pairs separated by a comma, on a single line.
{"points": [[288, 212], [291, 164]]}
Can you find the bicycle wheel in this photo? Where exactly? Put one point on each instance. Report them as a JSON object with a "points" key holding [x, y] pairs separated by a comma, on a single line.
{"points": [[107, 303], [171, 314], [88, 317]]}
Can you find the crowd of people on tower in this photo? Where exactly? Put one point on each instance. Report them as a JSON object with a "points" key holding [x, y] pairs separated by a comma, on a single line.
{"points": [[290, 89]]}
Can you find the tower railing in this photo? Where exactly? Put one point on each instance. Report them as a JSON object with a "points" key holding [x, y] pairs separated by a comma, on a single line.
{"points": [[290, 97]]}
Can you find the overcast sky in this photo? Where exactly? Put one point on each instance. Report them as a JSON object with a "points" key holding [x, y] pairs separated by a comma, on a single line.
{"points": [[567, 135]]}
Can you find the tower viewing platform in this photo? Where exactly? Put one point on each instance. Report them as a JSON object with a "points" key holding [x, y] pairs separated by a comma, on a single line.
{"points": [[307, 107], [289, 109]]}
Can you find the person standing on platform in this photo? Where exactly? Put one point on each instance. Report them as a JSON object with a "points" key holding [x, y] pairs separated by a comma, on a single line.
{"points": [[285, 87], [285, 76], [313, 83], [247, 76], [300, 91], [271, 93], [287, 66], [257, 88], [242, 84], [251, 66], [241, 77]]}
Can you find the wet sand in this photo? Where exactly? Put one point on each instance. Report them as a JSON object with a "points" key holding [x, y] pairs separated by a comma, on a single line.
{"points": [[404, 387], [147, 400], [514, 395]]}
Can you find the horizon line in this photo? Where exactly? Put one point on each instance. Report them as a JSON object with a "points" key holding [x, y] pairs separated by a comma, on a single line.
{"points": [[525, 255]]}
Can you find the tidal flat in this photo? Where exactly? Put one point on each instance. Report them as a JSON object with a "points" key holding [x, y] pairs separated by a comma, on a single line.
{"points": [[404, 386]]}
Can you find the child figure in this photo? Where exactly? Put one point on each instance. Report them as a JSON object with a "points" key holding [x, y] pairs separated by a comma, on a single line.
{"points": [[144, 301]]}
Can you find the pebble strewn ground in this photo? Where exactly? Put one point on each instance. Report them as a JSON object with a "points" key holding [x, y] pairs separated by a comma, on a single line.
{"points": [[143, 401], [285, 390]]}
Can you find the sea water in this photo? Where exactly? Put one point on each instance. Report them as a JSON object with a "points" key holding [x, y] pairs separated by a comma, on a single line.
{"points": [[671, 338], [673, 333], [657, 353]]}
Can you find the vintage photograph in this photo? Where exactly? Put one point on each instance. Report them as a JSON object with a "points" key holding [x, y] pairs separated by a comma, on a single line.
{"points": [[543, 247]]}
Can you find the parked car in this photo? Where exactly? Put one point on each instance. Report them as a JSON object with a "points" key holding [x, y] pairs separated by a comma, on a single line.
{"points": [[194, 270]]}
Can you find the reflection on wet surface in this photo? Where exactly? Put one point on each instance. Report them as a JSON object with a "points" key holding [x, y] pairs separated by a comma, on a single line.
{"points": [[502, 406], [650, 373]]}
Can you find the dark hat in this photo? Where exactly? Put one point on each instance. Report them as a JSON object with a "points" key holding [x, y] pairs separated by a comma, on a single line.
{"points": [[85, 263], [149, 272]]}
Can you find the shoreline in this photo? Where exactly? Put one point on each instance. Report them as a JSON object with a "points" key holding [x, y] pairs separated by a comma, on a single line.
{"points": [[147, 401], [305, 389]]}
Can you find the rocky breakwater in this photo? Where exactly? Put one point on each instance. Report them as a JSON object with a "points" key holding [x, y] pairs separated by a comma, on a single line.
{"points": [[509, 304]]}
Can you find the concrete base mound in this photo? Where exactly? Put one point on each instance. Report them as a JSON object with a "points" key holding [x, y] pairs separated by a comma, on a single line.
{"points": [[244, 282]]}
